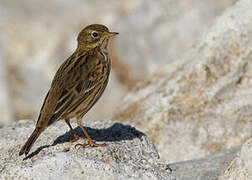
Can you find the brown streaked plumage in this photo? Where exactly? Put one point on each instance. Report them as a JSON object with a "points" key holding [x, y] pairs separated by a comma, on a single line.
{"points": [[77, 85]]}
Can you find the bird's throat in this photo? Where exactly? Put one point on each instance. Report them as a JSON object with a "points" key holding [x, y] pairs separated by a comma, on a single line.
{"points": [[104, 45]]}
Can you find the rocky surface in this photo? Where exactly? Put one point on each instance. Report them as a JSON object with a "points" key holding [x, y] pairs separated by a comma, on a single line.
{"points": [[129, 154], [39, 35], [241, 166], [202, 104], [207, 168]]}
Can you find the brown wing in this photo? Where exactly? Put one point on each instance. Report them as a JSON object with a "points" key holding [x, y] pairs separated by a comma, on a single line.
{"points": [[72, 84]]}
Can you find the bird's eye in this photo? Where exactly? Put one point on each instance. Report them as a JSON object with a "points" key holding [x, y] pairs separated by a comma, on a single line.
{"points": [[94, 34]]}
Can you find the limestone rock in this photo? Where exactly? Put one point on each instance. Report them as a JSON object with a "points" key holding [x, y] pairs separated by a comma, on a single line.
{"points": [[202, 104], [206, 168], [241, 166], [129, 154]]}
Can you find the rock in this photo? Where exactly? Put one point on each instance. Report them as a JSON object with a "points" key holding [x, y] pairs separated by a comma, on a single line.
{"points": [[43, 34], [241, 166], [154, 33], [129, 154], [202, 104], [6, 114], [207, 168]]}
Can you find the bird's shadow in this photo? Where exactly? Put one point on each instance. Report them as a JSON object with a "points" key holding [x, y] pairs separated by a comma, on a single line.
{"points": [[117, 132]]}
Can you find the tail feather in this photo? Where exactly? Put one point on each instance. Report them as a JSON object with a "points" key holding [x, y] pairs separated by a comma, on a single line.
{"points": [[26, 148]]}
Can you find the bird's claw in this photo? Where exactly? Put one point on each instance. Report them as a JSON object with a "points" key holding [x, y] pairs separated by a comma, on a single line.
{"points": [[90, 144]]}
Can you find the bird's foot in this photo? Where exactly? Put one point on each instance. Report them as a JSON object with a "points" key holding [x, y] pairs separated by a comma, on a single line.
{"points": [[77, 138], [90, 143]]}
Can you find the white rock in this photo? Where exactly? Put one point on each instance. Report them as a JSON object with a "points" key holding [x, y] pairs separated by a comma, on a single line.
{"points": [[128, 155], [202, 104], [241, 166]]}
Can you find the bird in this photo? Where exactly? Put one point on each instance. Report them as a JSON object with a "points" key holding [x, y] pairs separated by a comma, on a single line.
{"points": [[77, 85]]}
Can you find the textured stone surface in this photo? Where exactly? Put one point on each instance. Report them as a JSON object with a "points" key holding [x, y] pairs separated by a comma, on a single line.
{"points": [[39, 35], [128, 155], [241, 166], [202, 104], [207, 168]]}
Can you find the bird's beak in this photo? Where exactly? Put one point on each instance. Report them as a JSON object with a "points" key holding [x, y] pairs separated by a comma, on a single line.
{"points": [[111, 34]]}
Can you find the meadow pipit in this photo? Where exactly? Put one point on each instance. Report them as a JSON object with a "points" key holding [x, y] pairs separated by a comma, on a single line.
{"points": [[77, 85]]}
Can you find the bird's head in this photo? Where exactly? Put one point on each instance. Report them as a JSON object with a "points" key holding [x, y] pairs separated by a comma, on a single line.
{"points": [[94, 35]]}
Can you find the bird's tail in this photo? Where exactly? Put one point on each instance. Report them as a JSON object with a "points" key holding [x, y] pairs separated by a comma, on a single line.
{"points": [[26, 148]]}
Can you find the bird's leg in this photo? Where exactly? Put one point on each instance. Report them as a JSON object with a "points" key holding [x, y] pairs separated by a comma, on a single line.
{"points": [[90, 143], [76, 137]]}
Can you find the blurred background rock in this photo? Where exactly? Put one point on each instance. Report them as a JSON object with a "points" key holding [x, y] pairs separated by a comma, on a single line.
{"points": [[37, 36], [202, 103]]}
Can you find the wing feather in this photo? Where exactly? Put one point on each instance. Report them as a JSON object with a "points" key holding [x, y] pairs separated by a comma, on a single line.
{"points": [[76, 91]]}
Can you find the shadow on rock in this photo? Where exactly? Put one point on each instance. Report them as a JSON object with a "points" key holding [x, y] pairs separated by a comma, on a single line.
{"points": [[117, 132]]}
